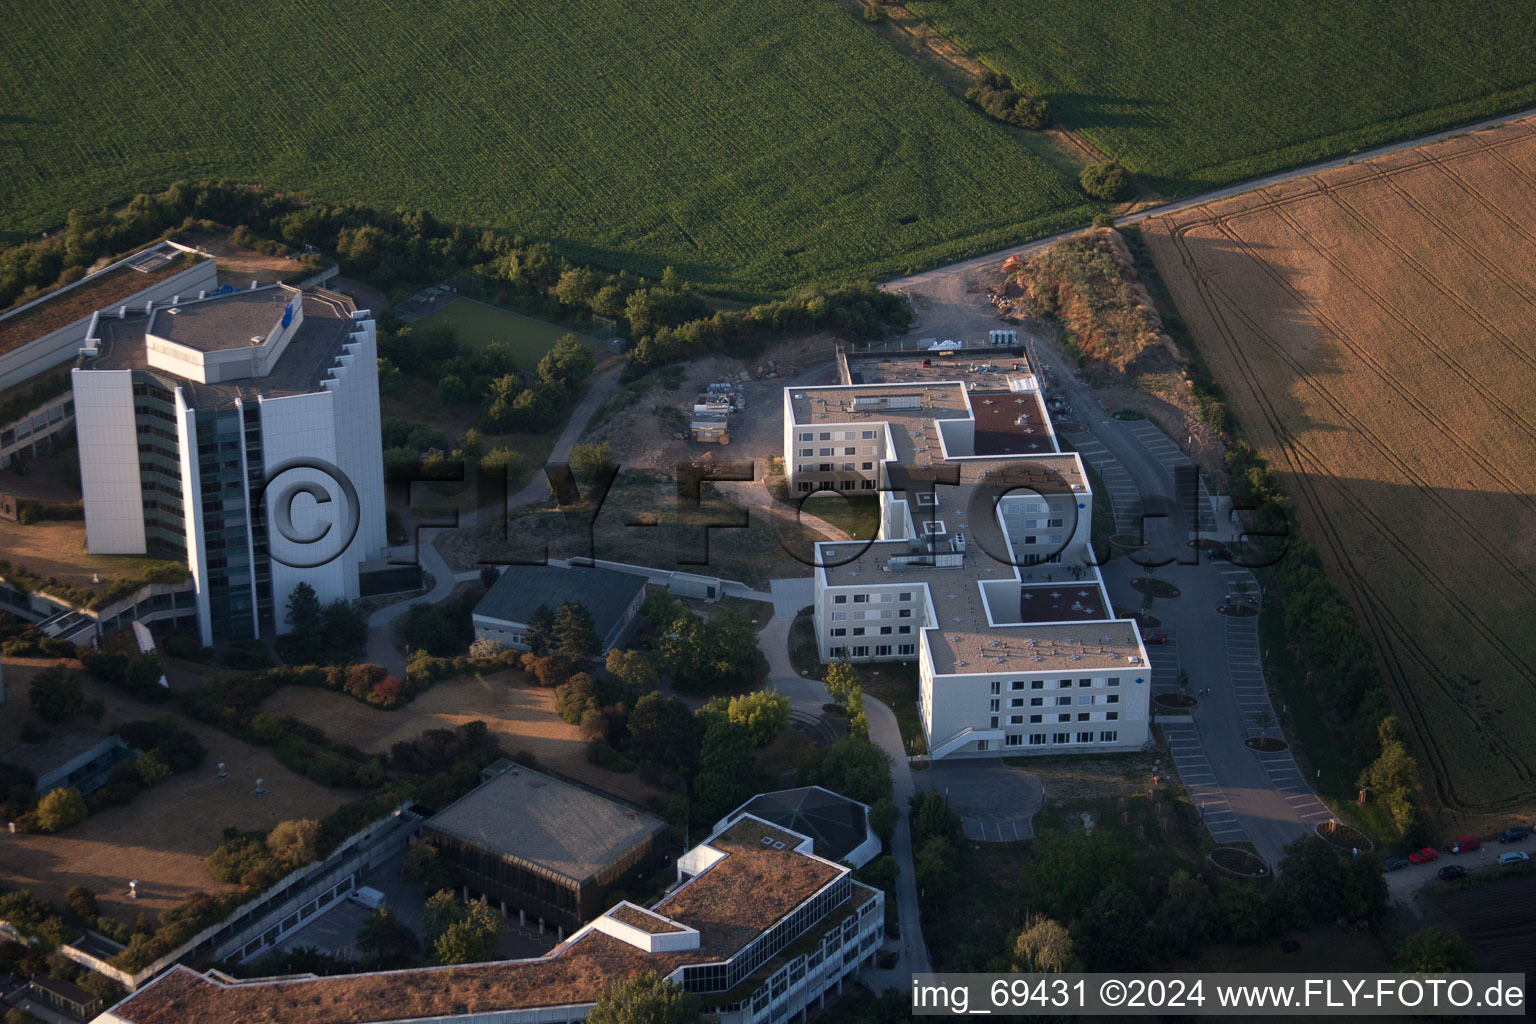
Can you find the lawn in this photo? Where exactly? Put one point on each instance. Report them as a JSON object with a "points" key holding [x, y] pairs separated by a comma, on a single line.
{"points": [[752, 145], [1198, 93], [1371, 329], [477, 324]]}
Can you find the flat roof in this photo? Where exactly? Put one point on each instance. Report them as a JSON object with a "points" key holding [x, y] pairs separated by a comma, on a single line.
{"points": [[222, 322], [521, 589], [735, 899], [1011, 423], [835, 823], [540, 820], [840, 403], [64, 306], [304, 364], [1087, 646], [988, 369], [1071, 601]]}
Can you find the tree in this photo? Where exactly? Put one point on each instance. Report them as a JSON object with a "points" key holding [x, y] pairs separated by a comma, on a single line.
{"points": [[1044, 947], [593, 460], [660, 609], [423, 865], [1069, 868], [646, 999], [1264, 719], [1394, 775], [470, 937], [303, 614], [16, 1015], [1106, 181], [1435, 950], [1184, 919], [763, 713], [293, 842], [632, 668], [1183, 681], [875, 13], [486, 647], [452, 391], [933, 866], [728, 773], [81, 901], [932, 817], [575, 633], [56, 695], [1114, 931], [383, 936], [345, 630], [713, 655], [575, 697], [883, 817], [841, 680], [427, 627], [60, 809], [566, 364], [152, 767], [1311, 880], [663, 731], [854, 767], [540, 634]]}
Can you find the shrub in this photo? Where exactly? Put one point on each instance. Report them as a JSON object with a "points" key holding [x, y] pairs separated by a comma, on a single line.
{"points": [[56, 695], [875, 13], [1106, 181], [575, 697], [239, 858], [293, 843], [996, 95], [600, 753], [60, 809]]}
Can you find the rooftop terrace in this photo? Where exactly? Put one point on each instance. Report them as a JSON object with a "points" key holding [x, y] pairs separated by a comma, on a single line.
{"points": [[304, 364]]}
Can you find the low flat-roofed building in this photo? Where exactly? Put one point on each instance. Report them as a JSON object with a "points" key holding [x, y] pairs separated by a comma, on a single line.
{"points": [[837, 825], [614, 599], [64, 997], [549, 849], [760, 929]]}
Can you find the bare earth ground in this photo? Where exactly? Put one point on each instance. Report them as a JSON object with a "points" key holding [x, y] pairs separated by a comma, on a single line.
{"points": [[57, 548], [162, 838], [520, 714], [239, 266], [1373, 326]]}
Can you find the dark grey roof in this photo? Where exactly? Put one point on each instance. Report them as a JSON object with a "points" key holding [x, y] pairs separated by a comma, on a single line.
{"points": [[309, 357], [223, 321], [523, 588], [539, 820], [835, 823]]}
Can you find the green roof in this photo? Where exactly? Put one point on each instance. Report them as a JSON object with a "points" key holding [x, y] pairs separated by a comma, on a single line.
{"points": [[523, 588]]}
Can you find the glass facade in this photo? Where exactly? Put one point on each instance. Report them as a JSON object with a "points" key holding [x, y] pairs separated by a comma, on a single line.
{"points": [[228, 574], [154, 416]]}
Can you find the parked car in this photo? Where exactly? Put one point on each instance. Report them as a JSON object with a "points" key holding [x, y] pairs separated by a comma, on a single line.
{"points": [[1394, 864], [1423, 856], [1513, 857], [1153, 636], [1451, 872], [1514, 835], [1464, 844]]}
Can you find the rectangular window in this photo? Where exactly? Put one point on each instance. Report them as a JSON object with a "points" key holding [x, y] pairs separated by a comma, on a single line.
{"points": [[867, 465], [1015, 719], [1013, 740], [904, 630], [1063, 718], [847, 466], [825, 436], [1053, 523], [867, 485], [904, 613], [1085, 682], [824, 452], [996, 687], [906, 595], [906, 649], [805, 437], [1085, 737], [839, 631], [850, 451], [861, 599], [1017, 684], [1085, 698], [1111, 698], [1037, 684], [887, 597], [1036, 719], [1016, 702], [1061, 737], [839, 598], [858, 630], [1084, 716], [839, 616], [823, 467], [882, 650], [981, 744], [861, 652], [1037, 739], [806, 453], [839, 652], [993, 705], [1065, 684], [1109, 736], [1064, 701], [1036, 702], [994, 721], [1113, 681], [868, 435], [885, 630], [1111, 716]]}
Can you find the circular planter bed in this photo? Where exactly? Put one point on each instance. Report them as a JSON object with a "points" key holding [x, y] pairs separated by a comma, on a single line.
{"points": [[1143, 620], [1174, 700], [1267, 744], [1126, 540], [1154, 586], [1236, 861], [1237, 611], [1345, 837]]}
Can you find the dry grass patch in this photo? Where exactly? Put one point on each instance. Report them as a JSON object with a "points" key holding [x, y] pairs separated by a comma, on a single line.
{"points": [[1375, 330]]}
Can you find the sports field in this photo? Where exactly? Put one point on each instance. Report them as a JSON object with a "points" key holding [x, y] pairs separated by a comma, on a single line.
{"points": [[759, 142], [1192, 94], [1375, 330], [477, 324]]}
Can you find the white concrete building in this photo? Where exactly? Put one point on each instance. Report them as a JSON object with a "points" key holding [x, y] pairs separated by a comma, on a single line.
{"points": [[983, 571], [239, 433]]}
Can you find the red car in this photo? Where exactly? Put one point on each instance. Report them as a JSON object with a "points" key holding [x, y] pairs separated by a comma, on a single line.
{"points": [[1154, 636], [1465, 844], [1423, 856]]}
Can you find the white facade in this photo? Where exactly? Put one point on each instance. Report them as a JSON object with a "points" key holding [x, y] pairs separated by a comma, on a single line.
{"points": [[983, 572], [109, 462]]}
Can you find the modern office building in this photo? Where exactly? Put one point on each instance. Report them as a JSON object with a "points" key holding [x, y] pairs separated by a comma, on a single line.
{"points": [[983, 571], [759, 927], [545, 850], [239, 433], [839, 826]]}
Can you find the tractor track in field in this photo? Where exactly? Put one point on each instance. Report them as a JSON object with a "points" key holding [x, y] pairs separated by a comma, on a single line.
{"points": [[1390, 634]]}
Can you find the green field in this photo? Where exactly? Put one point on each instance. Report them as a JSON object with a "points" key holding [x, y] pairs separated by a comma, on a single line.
{"points": [[477, 324], [753, 143], [1191, 94]]}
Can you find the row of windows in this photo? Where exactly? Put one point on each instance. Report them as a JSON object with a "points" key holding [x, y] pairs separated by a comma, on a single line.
{"points": [[1064, 701], [859, 631], [842, 435], [806, 486], [859, 615], [885, 597], [826, 453], [1082, 716], [1061, 684], [1038, 739], [881, 651]]}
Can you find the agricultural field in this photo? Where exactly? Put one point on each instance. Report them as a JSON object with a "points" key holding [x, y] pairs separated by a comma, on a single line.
{"points": [[1373, 328], [477, 324], [1193, 94], [749, 144]]}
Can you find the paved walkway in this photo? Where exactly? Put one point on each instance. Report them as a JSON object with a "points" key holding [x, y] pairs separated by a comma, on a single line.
{"points": [[599, 389]]}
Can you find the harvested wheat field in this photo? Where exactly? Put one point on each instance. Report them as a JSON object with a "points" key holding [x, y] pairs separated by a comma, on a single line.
{"points": [[163, 836], [1375, 329], [518, 712]]}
